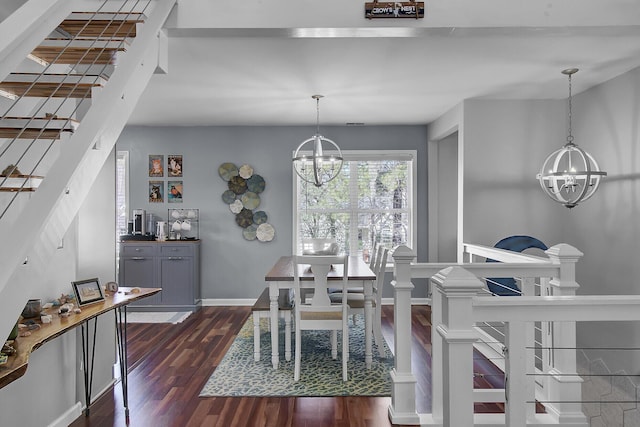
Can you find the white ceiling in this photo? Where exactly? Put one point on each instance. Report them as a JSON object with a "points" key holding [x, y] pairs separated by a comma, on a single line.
{"points": [[266, 76]]}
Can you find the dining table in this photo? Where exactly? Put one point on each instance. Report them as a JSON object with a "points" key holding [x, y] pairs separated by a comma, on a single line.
{"points": [[359, 276]]}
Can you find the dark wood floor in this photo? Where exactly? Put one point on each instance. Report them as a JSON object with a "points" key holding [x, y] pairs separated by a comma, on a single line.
{"points": [[169, 365]]}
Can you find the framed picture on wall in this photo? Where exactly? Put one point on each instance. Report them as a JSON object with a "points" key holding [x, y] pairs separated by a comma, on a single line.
{"points": [[174, 191], [156, 165], [156, 191], [174, 165]]}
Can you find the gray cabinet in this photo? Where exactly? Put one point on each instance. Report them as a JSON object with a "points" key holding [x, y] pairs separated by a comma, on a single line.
{"points": [[173, 266]]}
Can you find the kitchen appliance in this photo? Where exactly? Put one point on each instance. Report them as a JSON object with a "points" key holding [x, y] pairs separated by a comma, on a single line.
{"points": [[139, 221]]}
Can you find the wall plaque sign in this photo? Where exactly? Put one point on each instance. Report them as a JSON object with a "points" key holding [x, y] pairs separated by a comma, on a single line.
{"points": [[397, 9]]}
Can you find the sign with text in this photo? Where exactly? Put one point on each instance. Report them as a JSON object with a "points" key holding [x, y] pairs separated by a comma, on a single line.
{"points": [[397, 9]]}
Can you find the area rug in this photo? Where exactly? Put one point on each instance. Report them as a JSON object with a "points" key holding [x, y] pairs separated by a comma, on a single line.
{"points": [[157, 316], [320, 375]]}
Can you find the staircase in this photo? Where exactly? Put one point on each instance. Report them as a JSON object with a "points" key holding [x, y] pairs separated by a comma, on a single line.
{"points": [[71, 73]]}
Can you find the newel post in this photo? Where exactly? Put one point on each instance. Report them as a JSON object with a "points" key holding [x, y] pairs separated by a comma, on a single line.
{"points": [[565, 385], [456, 288], [403, 383]]}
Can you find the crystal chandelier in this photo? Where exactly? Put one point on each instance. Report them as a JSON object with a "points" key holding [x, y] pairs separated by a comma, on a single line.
{"points": [[324, 163], [570, 175]]}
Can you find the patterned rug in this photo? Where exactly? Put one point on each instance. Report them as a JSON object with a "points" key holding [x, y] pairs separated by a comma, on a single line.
{"points": [[320, 375]]}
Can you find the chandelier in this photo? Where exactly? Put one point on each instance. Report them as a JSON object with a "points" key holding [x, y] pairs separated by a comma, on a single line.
{"points": [[570, 175], [324, 163]]}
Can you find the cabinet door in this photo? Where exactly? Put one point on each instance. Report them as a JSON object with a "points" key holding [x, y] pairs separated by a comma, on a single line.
{"points": [[140, 271], [177, 280]]}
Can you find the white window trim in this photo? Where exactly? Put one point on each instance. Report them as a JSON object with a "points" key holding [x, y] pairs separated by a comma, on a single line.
{"points": [[350, 155]]}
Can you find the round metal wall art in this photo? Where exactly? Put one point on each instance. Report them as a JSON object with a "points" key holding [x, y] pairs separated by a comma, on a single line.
{"points": [[238, 184], [228, 171], [242, 197]]}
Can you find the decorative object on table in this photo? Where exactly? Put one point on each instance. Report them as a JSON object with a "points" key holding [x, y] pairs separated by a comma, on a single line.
{"points": [[184, 224], [239, 375], [318, 246], [32, 309], [243, 198], [111, 287], [174, 191], [324, 163], [156, 191], [174, 166], [570, 175], [156, 165], [87, 291]]}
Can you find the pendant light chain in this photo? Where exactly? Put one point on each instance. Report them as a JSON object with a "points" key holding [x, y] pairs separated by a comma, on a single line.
{"points": [[569, 135]]}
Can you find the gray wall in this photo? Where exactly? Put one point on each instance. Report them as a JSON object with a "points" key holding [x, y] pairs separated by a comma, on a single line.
{"points": [[232, 267]]}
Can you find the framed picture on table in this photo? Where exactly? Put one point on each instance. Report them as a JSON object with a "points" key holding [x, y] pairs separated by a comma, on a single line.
{"points": [[87, 291]]}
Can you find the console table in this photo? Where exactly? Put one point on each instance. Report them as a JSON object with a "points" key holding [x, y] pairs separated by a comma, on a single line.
{"points": [[17, 363]]}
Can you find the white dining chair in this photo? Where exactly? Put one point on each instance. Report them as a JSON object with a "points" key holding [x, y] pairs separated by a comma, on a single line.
{"points": [[355, 300], [319, 313]]}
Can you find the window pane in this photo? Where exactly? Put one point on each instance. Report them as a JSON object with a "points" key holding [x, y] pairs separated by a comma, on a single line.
{"points": [[331, 196], [386, 228], [367, 204], [382, 185]]}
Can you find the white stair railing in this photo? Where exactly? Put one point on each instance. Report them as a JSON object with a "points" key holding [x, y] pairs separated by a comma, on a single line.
{"points": [[459, 304]]}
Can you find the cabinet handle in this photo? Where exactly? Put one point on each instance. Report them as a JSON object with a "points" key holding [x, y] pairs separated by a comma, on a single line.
{"points": [[175, 258], [138, 258], [138, 249]]}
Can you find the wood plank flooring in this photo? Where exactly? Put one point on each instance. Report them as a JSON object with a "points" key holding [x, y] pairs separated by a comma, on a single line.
{"points": [[169, 365]]}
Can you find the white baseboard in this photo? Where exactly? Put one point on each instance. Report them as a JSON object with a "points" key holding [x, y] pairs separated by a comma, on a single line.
{"points": [[69, 416], [240, 302]]}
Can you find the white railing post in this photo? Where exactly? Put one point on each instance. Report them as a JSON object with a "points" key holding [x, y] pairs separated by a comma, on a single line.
{"points": [[565, 386], [457, 288], [403, 382]]}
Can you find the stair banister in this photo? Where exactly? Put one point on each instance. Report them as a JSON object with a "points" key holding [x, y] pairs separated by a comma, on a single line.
{"points": [[456, 288], [403, 382], [53, 207], [564, 383]]}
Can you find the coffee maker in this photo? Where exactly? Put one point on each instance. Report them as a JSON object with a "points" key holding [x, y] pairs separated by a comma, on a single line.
{"points": [[139, 221]]}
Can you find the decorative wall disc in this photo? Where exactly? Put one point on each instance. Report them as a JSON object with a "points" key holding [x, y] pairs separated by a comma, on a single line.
{"points": [[237, 184], [228, 197], [249, 233], [244, 218], [236, 206], [245, 171], [265, 232], [250, 200], [256, 184], [259, 217], [227, 171], [243, 198]]}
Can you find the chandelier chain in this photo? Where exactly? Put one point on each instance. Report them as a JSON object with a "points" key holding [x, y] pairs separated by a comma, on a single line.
{"points": [[569, 135]]}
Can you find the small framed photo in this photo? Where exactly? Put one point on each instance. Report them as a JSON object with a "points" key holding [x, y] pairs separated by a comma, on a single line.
{"points": [[174, 191], [156, 191], [174, 166], [156, 165], [87, 291]]}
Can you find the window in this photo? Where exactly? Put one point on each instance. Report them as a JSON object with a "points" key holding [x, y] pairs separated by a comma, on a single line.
{"points": [[370, 202]]}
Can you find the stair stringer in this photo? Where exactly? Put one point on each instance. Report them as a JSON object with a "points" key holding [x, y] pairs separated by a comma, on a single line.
{"points": [[24, 29], [53, 207]]}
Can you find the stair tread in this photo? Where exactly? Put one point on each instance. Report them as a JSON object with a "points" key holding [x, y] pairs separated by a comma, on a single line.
{"points": [[46, 89], [104, 24], [76, 55]]}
